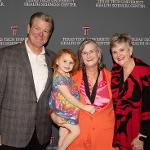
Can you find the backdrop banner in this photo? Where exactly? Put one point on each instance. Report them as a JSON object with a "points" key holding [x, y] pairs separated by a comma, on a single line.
{"points": [[76, 20]]}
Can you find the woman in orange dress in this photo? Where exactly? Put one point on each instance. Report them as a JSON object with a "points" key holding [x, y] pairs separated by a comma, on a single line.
{"points": [[93, 80]]}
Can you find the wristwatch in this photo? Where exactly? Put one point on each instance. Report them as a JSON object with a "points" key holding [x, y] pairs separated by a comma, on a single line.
{"points": [[142, 138]]}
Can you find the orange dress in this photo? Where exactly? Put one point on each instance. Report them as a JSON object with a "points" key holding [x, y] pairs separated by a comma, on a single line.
{"points": [[96, 131]]}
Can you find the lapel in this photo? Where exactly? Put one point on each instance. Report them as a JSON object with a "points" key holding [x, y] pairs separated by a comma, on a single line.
{"points": [[28, 70], [27, 65], [78, 78]]}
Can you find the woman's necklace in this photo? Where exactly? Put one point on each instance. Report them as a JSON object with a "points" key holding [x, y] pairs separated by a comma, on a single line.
{"points": [[87, 89]]}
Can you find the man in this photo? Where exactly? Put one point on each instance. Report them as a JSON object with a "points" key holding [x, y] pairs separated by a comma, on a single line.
{"points": [[25, 77]]}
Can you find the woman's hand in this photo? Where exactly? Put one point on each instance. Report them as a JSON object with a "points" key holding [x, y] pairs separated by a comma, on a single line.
{"points": [[57, 120], [137, 144], [91, 109]]}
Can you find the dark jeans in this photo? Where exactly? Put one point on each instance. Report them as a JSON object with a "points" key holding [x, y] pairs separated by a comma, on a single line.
{"points": [[33, 145]]}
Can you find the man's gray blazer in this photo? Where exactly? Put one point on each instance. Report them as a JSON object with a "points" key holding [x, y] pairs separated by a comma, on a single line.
{"points": [[20, 112]]}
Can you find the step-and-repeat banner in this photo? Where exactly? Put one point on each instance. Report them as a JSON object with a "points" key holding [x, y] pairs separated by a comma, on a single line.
{"points": [[79, 19]]}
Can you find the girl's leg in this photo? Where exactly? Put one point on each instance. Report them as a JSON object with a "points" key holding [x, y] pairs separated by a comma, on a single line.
{"points": [[63, 132], [74, 131]]}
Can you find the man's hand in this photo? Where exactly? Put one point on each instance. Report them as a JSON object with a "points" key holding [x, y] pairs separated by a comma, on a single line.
{"points": [[58, 120]]}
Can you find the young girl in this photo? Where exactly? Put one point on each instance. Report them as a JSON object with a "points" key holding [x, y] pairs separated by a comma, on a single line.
{"points": [[64, 100]]}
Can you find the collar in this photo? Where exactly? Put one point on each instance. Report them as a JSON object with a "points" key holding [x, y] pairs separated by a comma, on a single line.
{"points": [[30, 51]]}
